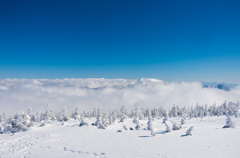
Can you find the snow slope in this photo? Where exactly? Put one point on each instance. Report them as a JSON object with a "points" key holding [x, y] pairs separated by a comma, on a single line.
{"points": [[67, 139]]}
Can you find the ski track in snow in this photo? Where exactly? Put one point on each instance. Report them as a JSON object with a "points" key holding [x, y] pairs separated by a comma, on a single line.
{"points": [[103, 155], [17, 147], [21, 146]]}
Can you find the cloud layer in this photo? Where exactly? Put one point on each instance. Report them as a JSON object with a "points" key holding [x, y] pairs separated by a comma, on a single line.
{"points": [[19, 94]]}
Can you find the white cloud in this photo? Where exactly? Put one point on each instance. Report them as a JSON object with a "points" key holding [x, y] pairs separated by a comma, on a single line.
{"points": [[19, 94]]}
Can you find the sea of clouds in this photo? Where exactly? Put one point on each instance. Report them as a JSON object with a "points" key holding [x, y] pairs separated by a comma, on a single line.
{"points": [[19, 94]]}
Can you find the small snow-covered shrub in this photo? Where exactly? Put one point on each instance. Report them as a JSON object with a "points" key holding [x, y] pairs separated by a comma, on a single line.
{"points": [[44, 123], [230, 123], [175, 126], [83, 122], [189, 131], [138, 127], [101, 126], [135, 120], [8, 129]]}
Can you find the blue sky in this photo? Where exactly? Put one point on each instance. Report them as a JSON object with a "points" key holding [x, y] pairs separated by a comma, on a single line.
{"points": [[169, 40]]}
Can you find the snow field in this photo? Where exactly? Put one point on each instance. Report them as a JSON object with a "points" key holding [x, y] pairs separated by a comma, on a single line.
{"points": [[56, 139]]}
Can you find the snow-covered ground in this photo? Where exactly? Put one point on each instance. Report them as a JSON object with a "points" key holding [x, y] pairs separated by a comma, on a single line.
{"points": [[67, 139]]}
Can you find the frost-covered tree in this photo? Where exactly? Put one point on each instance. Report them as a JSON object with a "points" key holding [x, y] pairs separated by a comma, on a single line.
{"points": [[137, 112], [1, 128], [189, 131], [149, 121], [155, 114], [114, 115], [152, 132], [124, 111], [26, 120], [167, 128], [110, 119], [105, 120], [47, 115], [76, 114], [206, 110], [165, 119], [183, 121], [138, 127], [98, 122], [236, 113], [17, 122], [98, 119], [30, 114], [173, 112], [83, 122], [229, 123], [65, 115], [44, 122]]}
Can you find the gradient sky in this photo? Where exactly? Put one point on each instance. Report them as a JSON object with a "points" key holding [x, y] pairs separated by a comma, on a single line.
{"points": [[170, 40]]}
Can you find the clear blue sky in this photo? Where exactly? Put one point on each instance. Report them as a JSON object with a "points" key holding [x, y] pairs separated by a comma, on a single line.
{"points": [[170, 40]]}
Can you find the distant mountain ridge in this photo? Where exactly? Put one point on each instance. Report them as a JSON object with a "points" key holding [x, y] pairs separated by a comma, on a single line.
{"points": [[97, 83], [233, 85], [219, 86], [89, 83], [222, 86]]}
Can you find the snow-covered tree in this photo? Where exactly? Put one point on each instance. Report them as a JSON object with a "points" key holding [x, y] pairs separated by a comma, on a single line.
{"points": [[137, 112], [1, 128], [149, 121], [167, 128], [76, 114], [152, 132], [183, 121], [114, 115], [65, 115], [47, 115], [110, 119], [26, 120], [44, 122], [17, 122], [105, 120], [98, 122], [165, 119], [124, 111]]}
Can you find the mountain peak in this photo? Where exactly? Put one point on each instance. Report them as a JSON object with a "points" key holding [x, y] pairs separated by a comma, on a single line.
{"points": [[145, 81]]}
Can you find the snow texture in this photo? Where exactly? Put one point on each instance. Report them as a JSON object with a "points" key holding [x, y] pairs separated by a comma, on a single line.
{"points": [[55, 140]]}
